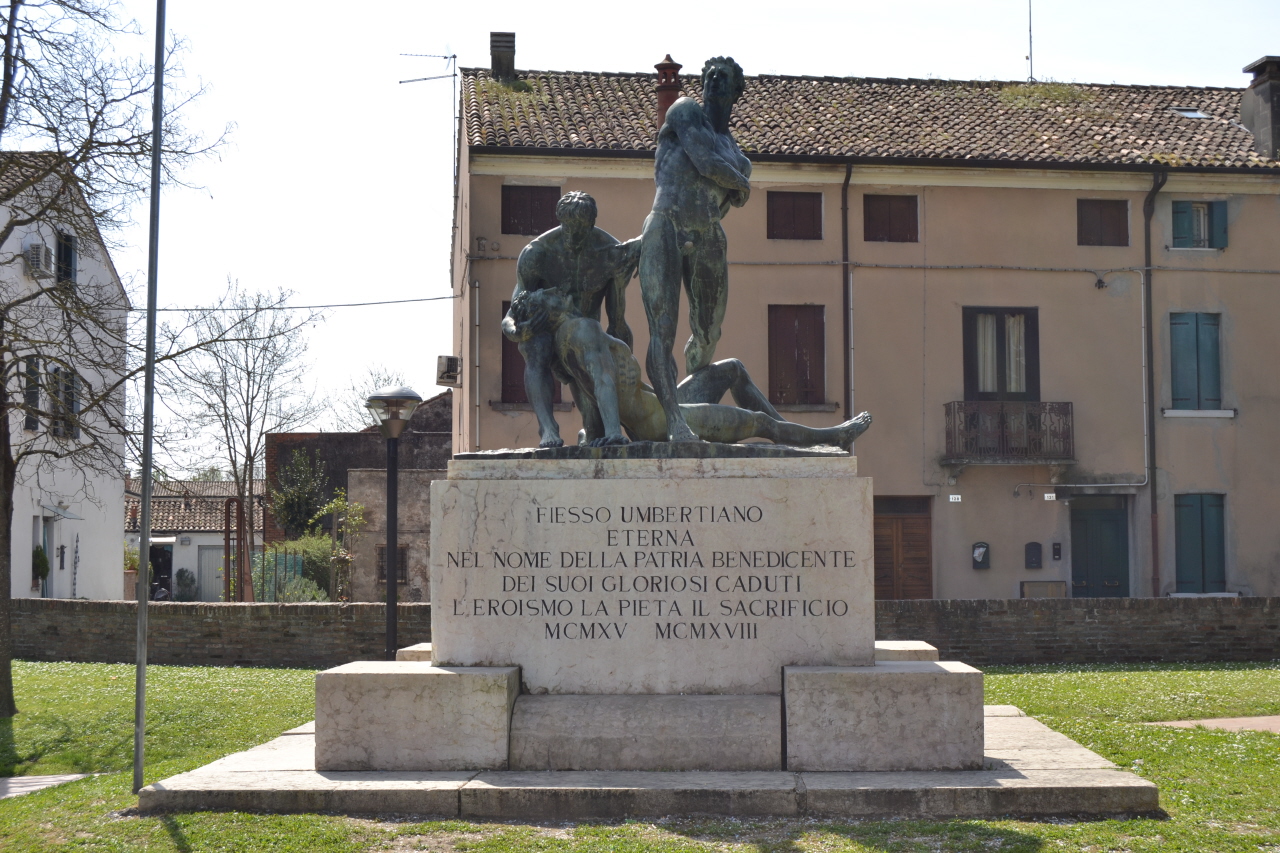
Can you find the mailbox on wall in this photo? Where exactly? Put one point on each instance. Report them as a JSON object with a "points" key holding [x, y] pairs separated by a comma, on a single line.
{"points": [[1034, 554], [981, 555]]}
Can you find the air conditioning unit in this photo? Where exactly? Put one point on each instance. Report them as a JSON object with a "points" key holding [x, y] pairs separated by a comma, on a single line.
{"points": [[39, 260], [449, 370]]}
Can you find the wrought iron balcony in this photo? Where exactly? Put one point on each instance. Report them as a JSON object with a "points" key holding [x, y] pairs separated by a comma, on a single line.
{"points": [[1009, 433]]}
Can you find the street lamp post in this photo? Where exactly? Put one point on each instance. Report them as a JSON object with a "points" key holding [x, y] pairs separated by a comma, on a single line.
{"points": [[391, 409]]}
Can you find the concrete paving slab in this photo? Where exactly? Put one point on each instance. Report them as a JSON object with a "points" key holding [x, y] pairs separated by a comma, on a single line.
{"points": [[285, 753], [16, 786], [890, 650], [977, 793], [1229, 724], [1022, 733], [1073, 758], [603, 794], [1034, 771], [1002, 711], [304, 729], [285, 791]]}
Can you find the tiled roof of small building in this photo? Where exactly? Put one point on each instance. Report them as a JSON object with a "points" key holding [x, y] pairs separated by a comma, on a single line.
{"points": [[186, 506], [941, 120]]}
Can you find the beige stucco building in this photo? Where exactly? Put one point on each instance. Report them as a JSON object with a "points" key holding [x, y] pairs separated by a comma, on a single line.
{"points": [[1043, 293]]}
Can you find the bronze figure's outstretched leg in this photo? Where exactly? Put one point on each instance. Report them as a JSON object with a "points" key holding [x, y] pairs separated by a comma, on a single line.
{"points": [[660, 274], [711, 383]]}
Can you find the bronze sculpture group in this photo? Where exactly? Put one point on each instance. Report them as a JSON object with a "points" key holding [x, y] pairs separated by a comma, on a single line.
{"points": [[565, 276]]}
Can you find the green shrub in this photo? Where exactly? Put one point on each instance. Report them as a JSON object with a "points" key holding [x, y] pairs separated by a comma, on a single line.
{"points": [[39, 564], [301, 589]]}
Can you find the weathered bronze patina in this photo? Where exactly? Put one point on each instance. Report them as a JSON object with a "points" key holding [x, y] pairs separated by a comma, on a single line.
{"points": [[592, 268], [603, 368], [700, 173]]}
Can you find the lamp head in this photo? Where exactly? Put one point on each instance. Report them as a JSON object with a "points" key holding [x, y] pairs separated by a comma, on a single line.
{"points": [[391, 409]]}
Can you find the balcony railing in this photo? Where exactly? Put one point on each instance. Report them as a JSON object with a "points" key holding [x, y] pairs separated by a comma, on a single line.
{"points": [[1009, 433]]}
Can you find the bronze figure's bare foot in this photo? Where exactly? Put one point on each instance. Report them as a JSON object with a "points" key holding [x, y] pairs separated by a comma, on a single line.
{"points": [[854, 427], [552, 441], [610, 441]]}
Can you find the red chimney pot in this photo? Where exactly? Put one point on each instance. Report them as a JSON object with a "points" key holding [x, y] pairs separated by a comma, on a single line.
{"points": [[668, 86]]}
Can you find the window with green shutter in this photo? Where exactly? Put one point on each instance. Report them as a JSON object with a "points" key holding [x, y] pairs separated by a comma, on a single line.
{"points": [[1199, 225], [1200, 532], [1195, 354], [68, 258]]}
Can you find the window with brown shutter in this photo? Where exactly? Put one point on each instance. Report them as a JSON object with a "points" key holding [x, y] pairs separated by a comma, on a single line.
{"points": [[797, 355], [890, 219], [1102, 222], [513, 390], [529, 210], [794, 216]]}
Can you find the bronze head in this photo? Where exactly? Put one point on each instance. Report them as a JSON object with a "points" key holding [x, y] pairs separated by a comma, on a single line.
{"points": [[723, 72]]}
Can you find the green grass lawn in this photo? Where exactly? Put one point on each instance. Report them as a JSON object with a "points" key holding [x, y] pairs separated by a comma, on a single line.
{"points": [[1221, 790]]}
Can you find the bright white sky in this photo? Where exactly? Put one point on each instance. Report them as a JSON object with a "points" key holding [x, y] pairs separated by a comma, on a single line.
{"points": [[337, 180]]}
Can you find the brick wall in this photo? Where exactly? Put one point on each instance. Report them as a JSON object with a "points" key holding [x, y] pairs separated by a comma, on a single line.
{"points": [[977, 632], [302, 635], [1088, 630]]}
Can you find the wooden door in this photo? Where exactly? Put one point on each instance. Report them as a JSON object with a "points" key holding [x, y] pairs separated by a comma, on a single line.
{"points": [[903, 548], [1099, 547]]}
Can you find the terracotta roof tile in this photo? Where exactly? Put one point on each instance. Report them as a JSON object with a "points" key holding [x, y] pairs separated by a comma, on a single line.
{"points": [[877, 118], [185, 506]]}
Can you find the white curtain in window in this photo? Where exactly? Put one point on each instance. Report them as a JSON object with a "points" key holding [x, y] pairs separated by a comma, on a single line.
{"points": [[987, 353], [1015, 342]]}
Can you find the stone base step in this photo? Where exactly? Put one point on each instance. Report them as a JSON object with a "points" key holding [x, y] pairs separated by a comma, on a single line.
{"points": [[579, 795], [1028, 770]]}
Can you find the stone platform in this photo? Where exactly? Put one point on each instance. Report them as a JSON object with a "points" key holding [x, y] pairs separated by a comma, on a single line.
{"points": [[1029, 770]]}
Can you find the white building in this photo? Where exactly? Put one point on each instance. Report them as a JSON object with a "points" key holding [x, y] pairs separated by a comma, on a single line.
{"points": [[66, 406]]}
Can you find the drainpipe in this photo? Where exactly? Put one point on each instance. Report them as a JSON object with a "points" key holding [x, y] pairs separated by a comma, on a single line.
{"points": [[475, 361], [846, 289], [1148, 210]]}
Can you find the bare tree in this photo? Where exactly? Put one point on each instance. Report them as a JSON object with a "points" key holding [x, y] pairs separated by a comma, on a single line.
{"points": [[240, 385], [347, 409], [82, 115]]}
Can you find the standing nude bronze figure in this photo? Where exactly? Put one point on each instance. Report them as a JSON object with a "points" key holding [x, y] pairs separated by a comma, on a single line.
{"points": [[700, 173], [592, 268]]}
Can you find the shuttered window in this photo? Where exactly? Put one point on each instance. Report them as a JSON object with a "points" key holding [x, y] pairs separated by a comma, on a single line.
{"points": [[64, 402], [1001, 354], [529, 210], [1195, 355], [794, 216], [797, 355], [31, 395], [513, 390], [890, 219], [1199, 225], [402, 560], [1201, 543], [1102, 222], [68, 258]]}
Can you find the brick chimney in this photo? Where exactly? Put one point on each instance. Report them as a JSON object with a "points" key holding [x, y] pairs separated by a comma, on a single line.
{"points": [[502, 56], [668, 86], [1260, 105]]}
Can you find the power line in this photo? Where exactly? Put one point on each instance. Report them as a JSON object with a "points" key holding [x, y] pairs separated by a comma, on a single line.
{"points": [[312, 307]]}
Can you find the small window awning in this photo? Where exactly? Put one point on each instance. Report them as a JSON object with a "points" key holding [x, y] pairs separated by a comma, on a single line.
{"points": [[59, 511], [164, 540]]}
